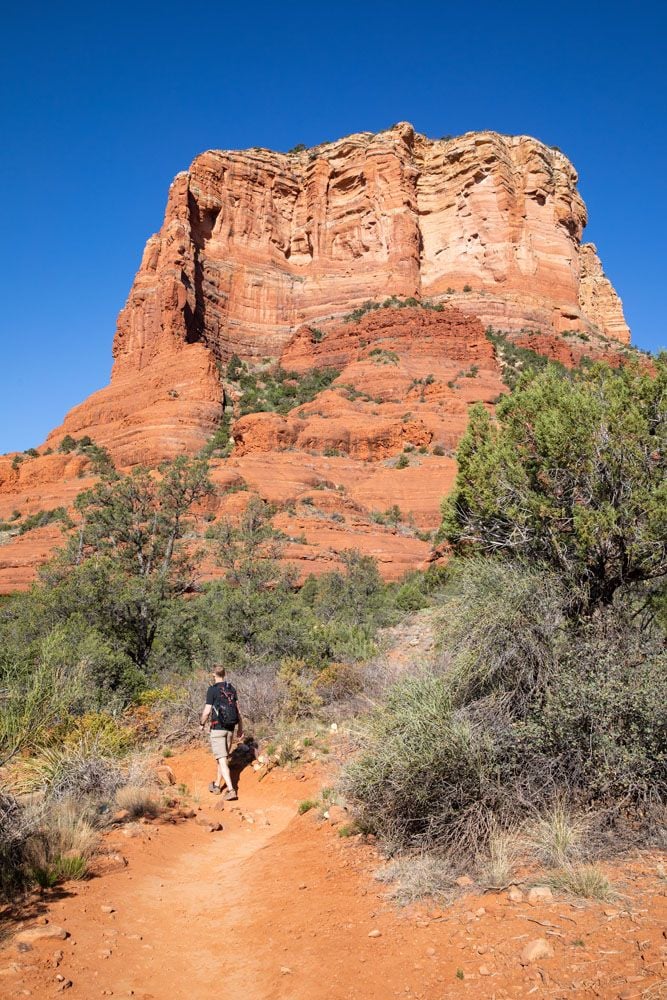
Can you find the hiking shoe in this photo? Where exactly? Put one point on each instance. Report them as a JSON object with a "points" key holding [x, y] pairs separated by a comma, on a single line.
{"points": [[230, 796], [214, 788]]}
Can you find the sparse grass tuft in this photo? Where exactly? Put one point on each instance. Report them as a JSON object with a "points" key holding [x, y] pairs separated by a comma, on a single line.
{"points": [[348, 830], [307, 805], [138, 800], [588, 881], [504, 849], [61, 845], [556, 836], [416, 876]]}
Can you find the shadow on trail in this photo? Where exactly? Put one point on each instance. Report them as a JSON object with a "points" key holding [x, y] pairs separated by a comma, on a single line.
{"points": [[242, 757], [33, 905]]}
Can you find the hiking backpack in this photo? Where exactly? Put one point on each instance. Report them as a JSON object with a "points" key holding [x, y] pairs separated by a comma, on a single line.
{"points": [[224, 711]]}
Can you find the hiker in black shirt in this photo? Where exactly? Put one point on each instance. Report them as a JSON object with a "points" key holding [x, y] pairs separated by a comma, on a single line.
{"points": [[222, 710]]}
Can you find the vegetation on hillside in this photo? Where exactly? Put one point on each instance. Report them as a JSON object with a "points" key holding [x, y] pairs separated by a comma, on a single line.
{"points": [[393, 302], [275, 389]]}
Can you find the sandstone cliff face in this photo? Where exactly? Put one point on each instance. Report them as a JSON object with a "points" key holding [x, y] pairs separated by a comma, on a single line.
{"points": [[259, 248], [255, 243]]}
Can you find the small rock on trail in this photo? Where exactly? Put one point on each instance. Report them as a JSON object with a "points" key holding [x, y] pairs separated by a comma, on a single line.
{"points": [[43, 933], [536, 950], [540, 894]]}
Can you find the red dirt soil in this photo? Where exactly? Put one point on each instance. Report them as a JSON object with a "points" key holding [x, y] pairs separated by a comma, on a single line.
{"points": [[277, 906]]}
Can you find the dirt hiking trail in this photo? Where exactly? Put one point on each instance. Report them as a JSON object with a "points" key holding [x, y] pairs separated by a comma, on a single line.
{"points": [[278, 906]]}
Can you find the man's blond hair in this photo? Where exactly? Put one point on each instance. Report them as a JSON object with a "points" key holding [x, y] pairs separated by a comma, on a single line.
{"points": [[219, 672]]}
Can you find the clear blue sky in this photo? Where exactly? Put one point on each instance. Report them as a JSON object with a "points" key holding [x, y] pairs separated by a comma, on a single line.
{"points": [[101, 104]]}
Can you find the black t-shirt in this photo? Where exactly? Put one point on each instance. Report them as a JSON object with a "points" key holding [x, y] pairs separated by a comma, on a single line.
{"points": [[212, 696]]}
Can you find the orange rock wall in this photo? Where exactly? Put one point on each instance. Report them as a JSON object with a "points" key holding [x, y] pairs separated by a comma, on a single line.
{"points": [[255, 243]]}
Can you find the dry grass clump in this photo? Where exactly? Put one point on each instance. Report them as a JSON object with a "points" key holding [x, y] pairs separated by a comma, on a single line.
{"points": [[504, 849], [556, 836], [62, 843], [79, 770], [138, 800], [588, 881], [415, 876]]}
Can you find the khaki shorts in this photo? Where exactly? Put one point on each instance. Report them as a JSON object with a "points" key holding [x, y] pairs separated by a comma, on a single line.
{"points": [[221, 743]]}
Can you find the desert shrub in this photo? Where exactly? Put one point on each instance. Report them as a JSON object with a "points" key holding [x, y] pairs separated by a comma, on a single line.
{"points": [[403, 461], [517, 361], [260, 694], [100, 458], [67, 444], [391, 302], [13, 835], [75, 772], [98, 729], [278, 390], [301, 697], [500, 627], [381, 356], [260, 619], [338, 681], [419, 777], [43, 517], [528, 707], [350, 605], [221, 443], [412, 593], [256, 614], [40, 690], [603, 723]]}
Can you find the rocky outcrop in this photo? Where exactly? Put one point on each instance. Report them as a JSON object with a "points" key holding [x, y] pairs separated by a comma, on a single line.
{"points": [[407, 376], [154, 411], [598, 299]]}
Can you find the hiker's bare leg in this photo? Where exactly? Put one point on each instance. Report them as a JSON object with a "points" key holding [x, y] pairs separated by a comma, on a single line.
{"points": [[223, 766], [224, 777]]}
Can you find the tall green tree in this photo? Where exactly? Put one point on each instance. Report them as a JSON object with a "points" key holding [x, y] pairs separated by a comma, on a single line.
{"points": [[129, 559], [571, 472]]}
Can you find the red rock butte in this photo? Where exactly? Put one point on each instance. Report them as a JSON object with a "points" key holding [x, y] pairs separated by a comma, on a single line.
{"points": [[263, 255]]}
